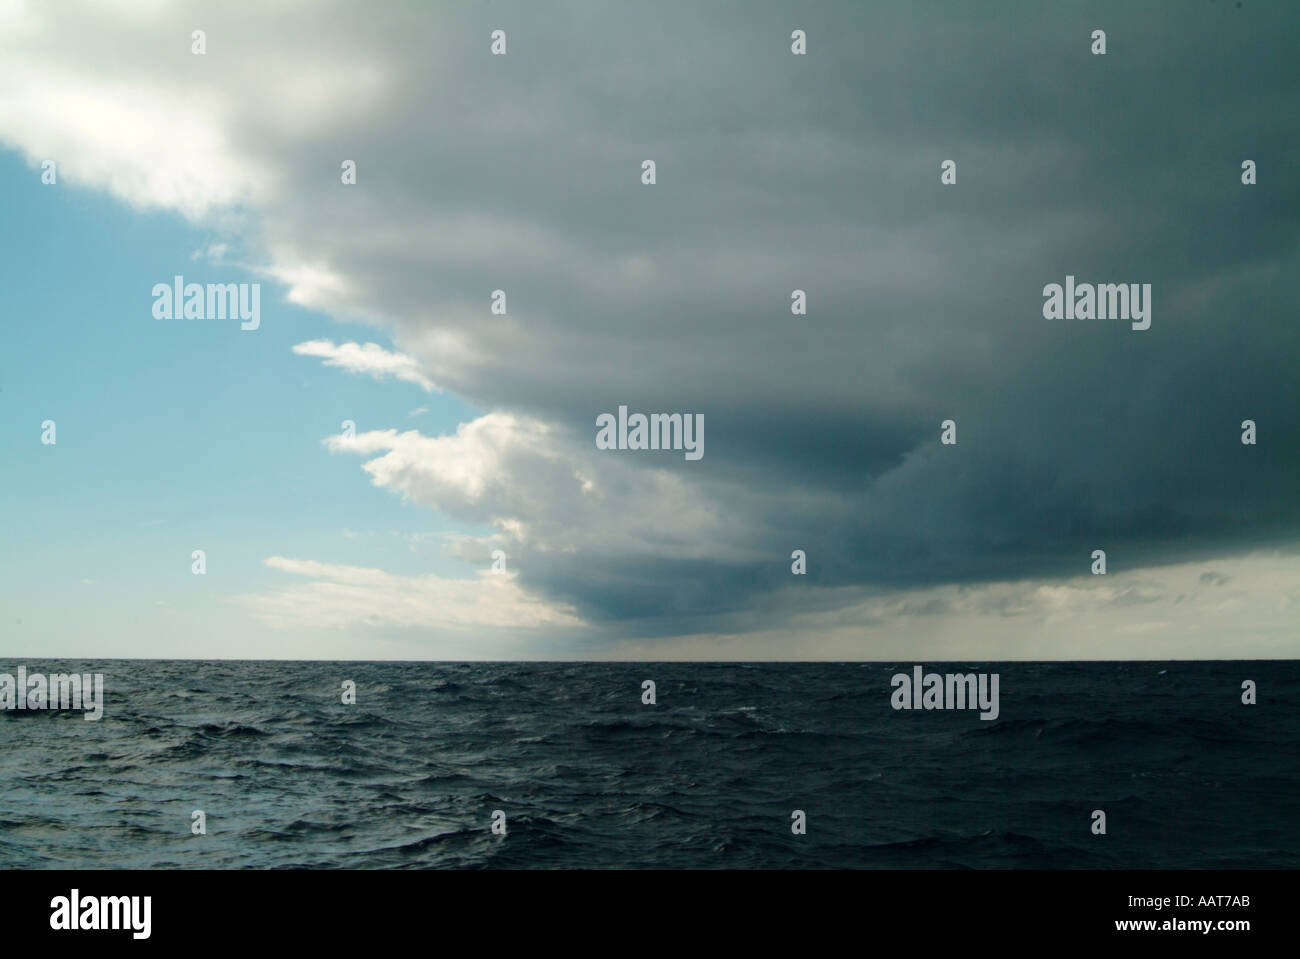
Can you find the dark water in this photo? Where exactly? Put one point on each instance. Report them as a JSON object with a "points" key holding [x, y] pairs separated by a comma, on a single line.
{"points": [[587, 776]]}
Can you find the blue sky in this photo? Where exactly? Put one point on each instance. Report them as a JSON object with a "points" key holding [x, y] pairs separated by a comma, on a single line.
{"points": [[174, 435]]}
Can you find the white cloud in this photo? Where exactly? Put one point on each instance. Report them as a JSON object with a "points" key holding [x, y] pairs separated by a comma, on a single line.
{"points": [[340, 597], [370, 359], [548, 491]]}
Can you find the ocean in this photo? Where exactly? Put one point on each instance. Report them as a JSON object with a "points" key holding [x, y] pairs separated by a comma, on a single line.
{"points": [[587, 776]]}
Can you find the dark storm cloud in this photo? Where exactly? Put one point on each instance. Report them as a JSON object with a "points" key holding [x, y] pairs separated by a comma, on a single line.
{"points": [[822, 173]]}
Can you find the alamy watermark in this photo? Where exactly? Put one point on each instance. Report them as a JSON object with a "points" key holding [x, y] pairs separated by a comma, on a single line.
{"points": [[924, 690], [1104, 301], [658, 431], [76, 912], [212, 301], [53, 691]]}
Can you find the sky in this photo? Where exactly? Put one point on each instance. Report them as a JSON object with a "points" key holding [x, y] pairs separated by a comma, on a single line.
{"points": [[474, 430]]}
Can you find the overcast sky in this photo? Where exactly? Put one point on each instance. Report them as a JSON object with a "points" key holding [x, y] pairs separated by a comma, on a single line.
{"points": [[774, 172]]}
